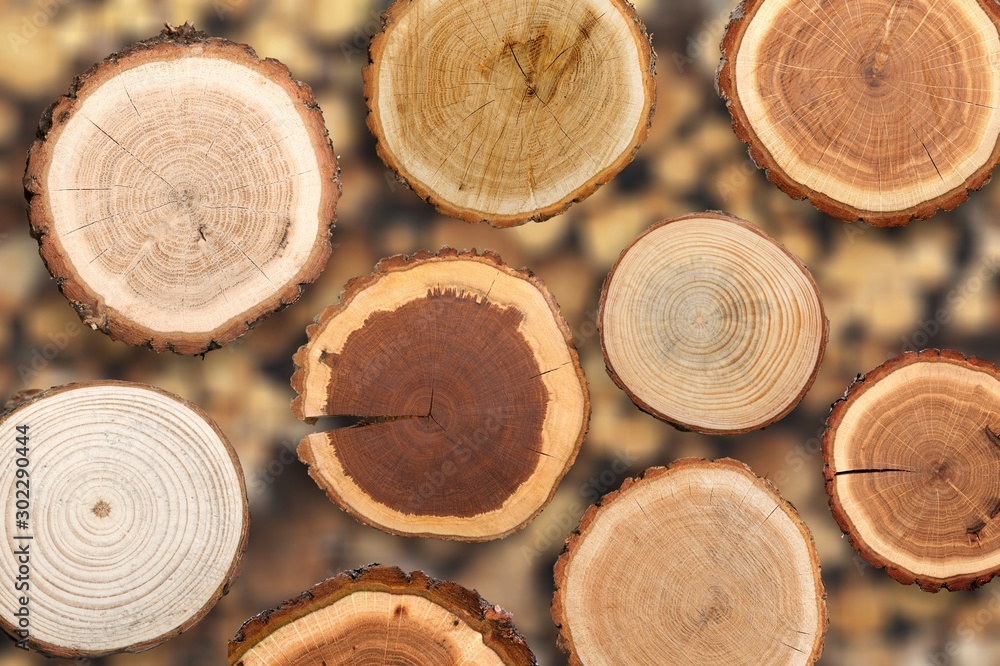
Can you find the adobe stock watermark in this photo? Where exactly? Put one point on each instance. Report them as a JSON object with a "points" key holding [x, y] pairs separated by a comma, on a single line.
{"points": [[967, 630], [706, 40], [358, 44], [33, 22], [40, 357]]}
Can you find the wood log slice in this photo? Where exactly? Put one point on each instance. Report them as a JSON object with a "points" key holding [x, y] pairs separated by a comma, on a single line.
{"points": [[881, 111], [509, 110], [182, 190], [701, 562], [124, 518], [380, 615], [473, 401], [709, 324], [913, 468]]}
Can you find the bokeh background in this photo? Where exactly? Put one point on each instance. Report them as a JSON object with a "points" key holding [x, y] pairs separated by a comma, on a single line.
{"points": [[932, 284]]}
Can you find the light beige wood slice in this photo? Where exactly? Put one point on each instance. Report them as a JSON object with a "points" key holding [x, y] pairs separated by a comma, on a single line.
{"points": [[380, 615], [473, 398], [183, 190], [913, 468], [135, 518], [883, 111], [702, 562], [711, 325], [509, 110]]}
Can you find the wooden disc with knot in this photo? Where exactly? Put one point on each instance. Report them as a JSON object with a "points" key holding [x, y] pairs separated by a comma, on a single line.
{"points": [[472, 398], [509, 110], [381, 615], [182, 190], [913, 468], [125, 518], [701, 562], [711, 325], [874, 110]]}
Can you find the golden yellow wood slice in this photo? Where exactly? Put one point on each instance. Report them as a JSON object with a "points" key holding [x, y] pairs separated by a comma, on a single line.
{"points": [[182, 190], [509, 110], [711, 325], [380, 615], [913, 468], [883, 111], [702, 562], [131, 505]]}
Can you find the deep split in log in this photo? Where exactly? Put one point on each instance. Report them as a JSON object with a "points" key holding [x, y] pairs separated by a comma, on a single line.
{"points": [[127, 518], [709, 324], [183, 190], [883, 111], [913, 468], [702, 558], [472, 398], [380, 615], [508, 111]]}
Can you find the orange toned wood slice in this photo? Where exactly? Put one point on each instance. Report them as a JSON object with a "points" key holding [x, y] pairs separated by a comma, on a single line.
{"points": [[125, 518], [701, 562], [883, 111], [711, 325], [182, 190], [473, 398], [913, 468], [509, 110], [381, 615]]}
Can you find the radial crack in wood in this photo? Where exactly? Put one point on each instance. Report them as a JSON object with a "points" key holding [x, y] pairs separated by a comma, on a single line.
{"points": [[702, 558], [881, 111], [127, 519], [509, 111], [183, 190], [380, 615], [473, 398], [709, 324], [913, 468]]}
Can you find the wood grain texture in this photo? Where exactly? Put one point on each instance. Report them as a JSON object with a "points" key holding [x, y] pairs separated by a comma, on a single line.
{"points": [[138, 518], [472, 398], [702, 562], [912, 457], [182, 190], [380, 615], [881, 111], [709, 324], [509, 111]]}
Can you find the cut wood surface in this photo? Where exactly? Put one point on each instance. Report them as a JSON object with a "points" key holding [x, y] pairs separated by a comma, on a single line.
{"points": [[913, 468], [473, 398], [135, 517], [709, 324], [701, 562], [182, 190], [884, 111], [380, 615], [507, 111]]}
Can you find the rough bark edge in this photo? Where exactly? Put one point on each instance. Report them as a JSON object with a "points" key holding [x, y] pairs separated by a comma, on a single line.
{"points": [[29, 396], [495, 624], [687, 427], [358, 284], [647, 56], [565, 638], [725, 85], [838, 411], [173, 43]]}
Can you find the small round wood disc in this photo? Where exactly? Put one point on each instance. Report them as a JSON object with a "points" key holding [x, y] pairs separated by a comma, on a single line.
{"points": [[913, 468], [380, 615], [709, 324], [134, 518], [509, 110], [183, 190], [702, 558], [473, 398], [883, 111]]}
